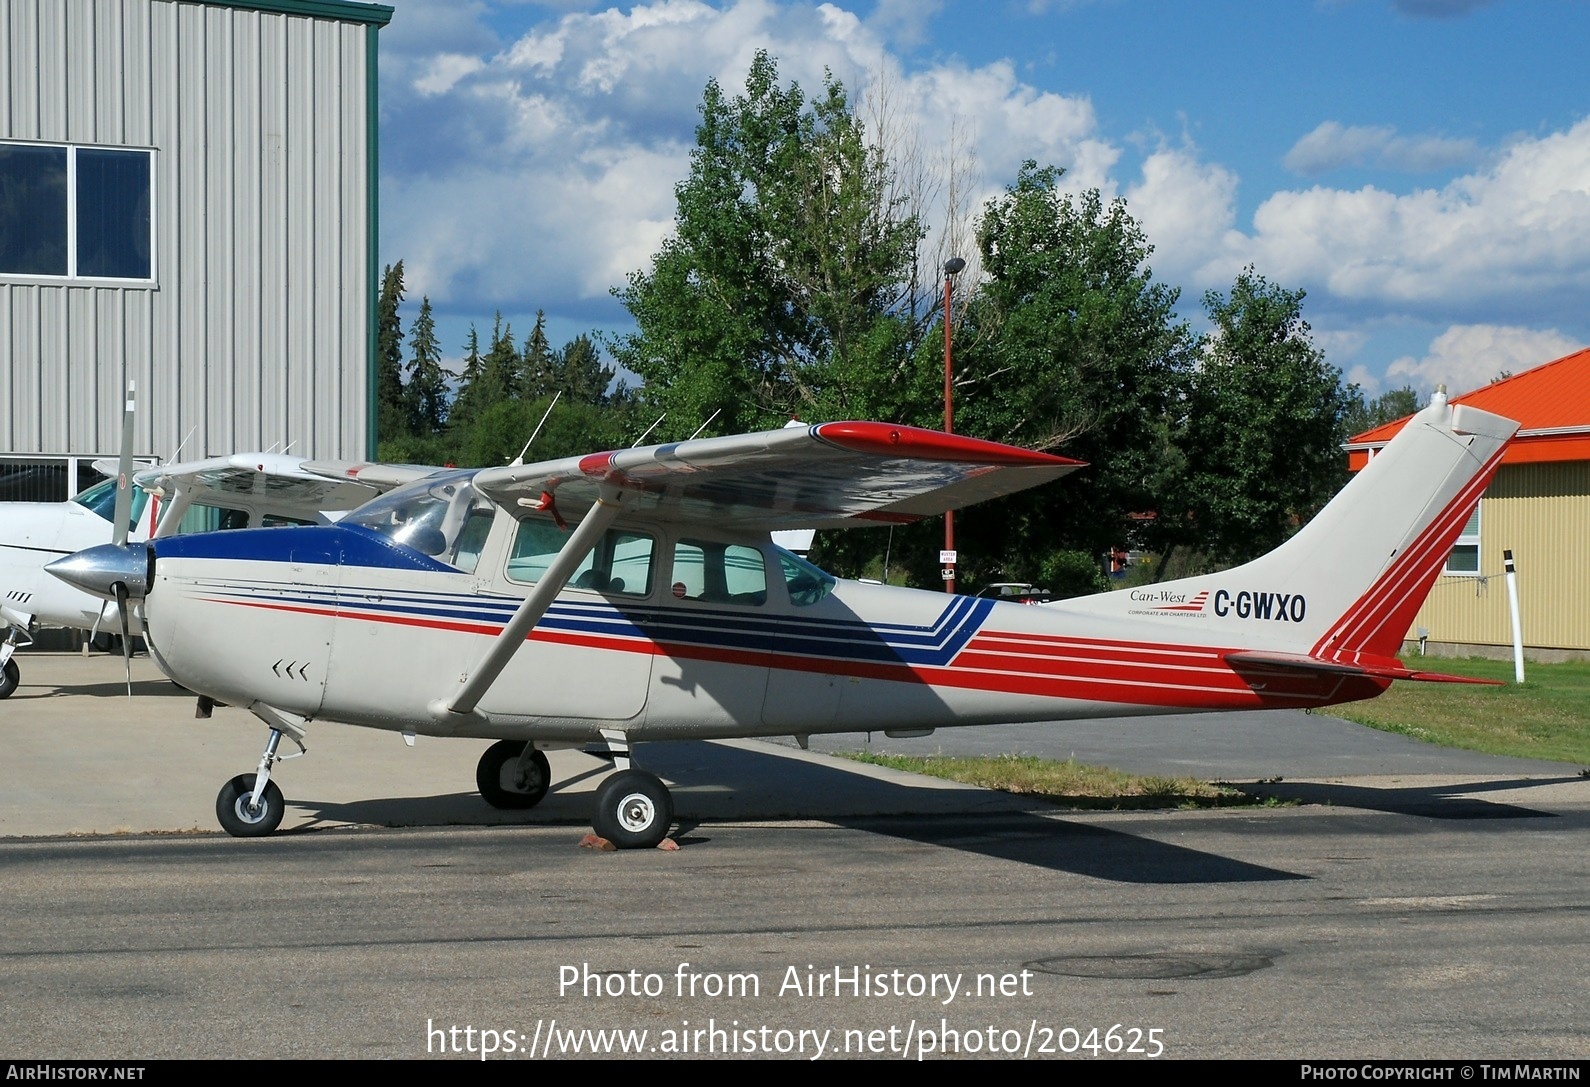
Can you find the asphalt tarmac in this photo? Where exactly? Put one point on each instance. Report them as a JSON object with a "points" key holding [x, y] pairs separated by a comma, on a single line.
{"points": [[79, 757], [1423, 904]]}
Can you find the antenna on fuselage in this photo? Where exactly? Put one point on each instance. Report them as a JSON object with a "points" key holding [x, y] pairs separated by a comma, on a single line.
{"points": [[517, 461], [649, 429], [178, 451], [706, 424]]}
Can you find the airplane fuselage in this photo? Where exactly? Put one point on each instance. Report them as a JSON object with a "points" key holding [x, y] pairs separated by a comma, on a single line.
{"points": [[637, 595], [344, 625]]}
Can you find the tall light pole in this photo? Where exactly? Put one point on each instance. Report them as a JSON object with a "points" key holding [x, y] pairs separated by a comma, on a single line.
{"points": [[952, 268]]}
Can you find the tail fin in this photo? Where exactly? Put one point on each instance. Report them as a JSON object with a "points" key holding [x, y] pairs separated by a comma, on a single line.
{"points": [[1346, 588]]}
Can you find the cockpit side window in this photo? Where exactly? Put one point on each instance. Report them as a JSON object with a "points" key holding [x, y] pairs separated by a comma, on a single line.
{"points": [[806, 583], [619, 565], [472, 538]]}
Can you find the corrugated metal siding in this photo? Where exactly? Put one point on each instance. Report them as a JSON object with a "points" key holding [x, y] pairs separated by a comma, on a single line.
{"points": [[255, 333], [1542, 513]]}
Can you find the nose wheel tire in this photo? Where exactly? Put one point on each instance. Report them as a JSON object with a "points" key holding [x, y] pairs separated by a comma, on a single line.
{"points": [[633, 810], [241, 821], [503, 786], [10, 680]]}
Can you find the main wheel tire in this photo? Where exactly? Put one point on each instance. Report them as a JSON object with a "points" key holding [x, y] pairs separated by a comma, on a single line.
{"points": [[497, 776], [237, 819], [633, 810], [11, 679]]}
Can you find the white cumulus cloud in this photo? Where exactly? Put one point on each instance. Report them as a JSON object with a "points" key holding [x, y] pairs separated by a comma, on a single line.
{"points": [[1466, 357], [1187, 209], [540, 171], [1509, 243]]}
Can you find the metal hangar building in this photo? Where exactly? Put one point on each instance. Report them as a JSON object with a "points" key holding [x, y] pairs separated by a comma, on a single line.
{"points": [[187, 202]]}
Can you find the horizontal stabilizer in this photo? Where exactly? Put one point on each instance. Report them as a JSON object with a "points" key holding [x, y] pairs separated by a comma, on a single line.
{"points": [[1378, 668]]}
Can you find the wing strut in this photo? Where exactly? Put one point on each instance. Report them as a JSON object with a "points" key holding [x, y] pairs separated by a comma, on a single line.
{"points": [[580, 542]]}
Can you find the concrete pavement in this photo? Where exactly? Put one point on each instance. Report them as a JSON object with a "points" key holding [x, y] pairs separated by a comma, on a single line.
{"points": [[78, 757]]}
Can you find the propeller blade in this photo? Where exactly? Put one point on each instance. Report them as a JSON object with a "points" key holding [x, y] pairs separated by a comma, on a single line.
{"points": [[126, 635], [124, 471]]}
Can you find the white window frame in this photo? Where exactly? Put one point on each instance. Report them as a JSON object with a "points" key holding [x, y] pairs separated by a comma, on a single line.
{"points": [[1467, 543], [72, 275]]}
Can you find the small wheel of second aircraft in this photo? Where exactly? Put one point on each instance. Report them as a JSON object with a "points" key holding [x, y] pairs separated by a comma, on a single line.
{"points": [[633, 810], [11, 679], [500, 783], [241, 821]]}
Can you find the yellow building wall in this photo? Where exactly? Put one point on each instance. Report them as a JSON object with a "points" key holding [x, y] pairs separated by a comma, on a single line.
{"points": [[1542, 513]]}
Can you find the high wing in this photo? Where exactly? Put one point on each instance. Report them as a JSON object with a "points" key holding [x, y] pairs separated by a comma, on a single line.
{"points": [[283, 485], [830, 475]]}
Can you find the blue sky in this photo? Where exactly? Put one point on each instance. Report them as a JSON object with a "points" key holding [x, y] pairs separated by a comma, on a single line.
{"points": [[1420, 167]]}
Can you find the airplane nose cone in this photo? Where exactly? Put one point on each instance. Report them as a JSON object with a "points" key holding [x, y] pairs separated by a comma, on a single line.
{"points": [[99, 570]]}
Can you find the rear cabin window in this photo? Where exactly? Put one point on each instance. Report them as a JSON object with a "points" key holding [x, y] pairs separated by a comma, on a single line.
{"points": [[619, 565], [719, 573]]}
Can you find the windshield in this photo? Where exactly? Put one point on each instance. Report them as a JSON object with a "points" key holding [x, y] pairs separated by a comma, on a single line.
{"points": [[101, 498], [442, 516], [807, 584]]}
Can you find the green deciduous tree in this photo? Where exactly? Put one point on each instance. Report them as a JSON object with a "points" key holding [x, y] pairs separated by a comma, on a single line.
{"points": [[1265, 420], [572, 429], [1070, 346], [779, 292], [1366, 413]]}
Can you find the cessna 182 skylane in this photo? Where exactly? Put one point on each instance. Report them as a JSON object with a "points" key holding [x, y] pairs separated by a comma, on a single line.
{"points": [[636, 596]]}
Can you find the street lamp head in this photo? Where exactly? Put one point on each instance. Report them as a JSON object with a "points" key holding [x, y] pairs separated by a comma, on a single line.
{"points": [[954, 266]]}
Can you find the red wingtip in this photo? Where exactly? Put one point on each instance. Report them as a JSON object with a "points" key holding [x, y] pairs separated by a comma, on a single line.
{"points": [[888, 439]]}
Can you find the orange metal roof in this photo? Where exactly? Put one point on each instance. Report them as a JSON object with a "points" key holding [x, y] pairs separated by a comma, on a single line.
{"points": [[1551, 403]]}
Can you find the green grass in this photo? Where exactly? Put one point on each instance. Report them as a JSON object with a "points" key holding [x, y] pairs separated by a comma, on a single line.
{"points": [[1070, 784], [1546, 717]]}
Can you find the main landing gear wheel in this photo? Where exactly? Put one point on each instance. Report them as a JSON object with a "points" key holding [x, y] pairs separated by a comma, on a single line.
{"points": [[241, 821], [633, 810], [10, 680], [503, 786]]}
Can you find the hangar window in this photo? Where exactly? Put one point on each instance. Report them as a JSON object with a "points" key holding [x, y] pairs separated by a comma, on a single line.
{"points": [[53, 479], [76, 212], [1465, 556]]}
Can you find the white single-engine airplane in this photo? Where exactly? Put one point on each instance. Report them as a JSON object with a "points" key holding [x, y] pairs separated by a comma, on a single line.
{"points": [[636, 596], [239, 491]]}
